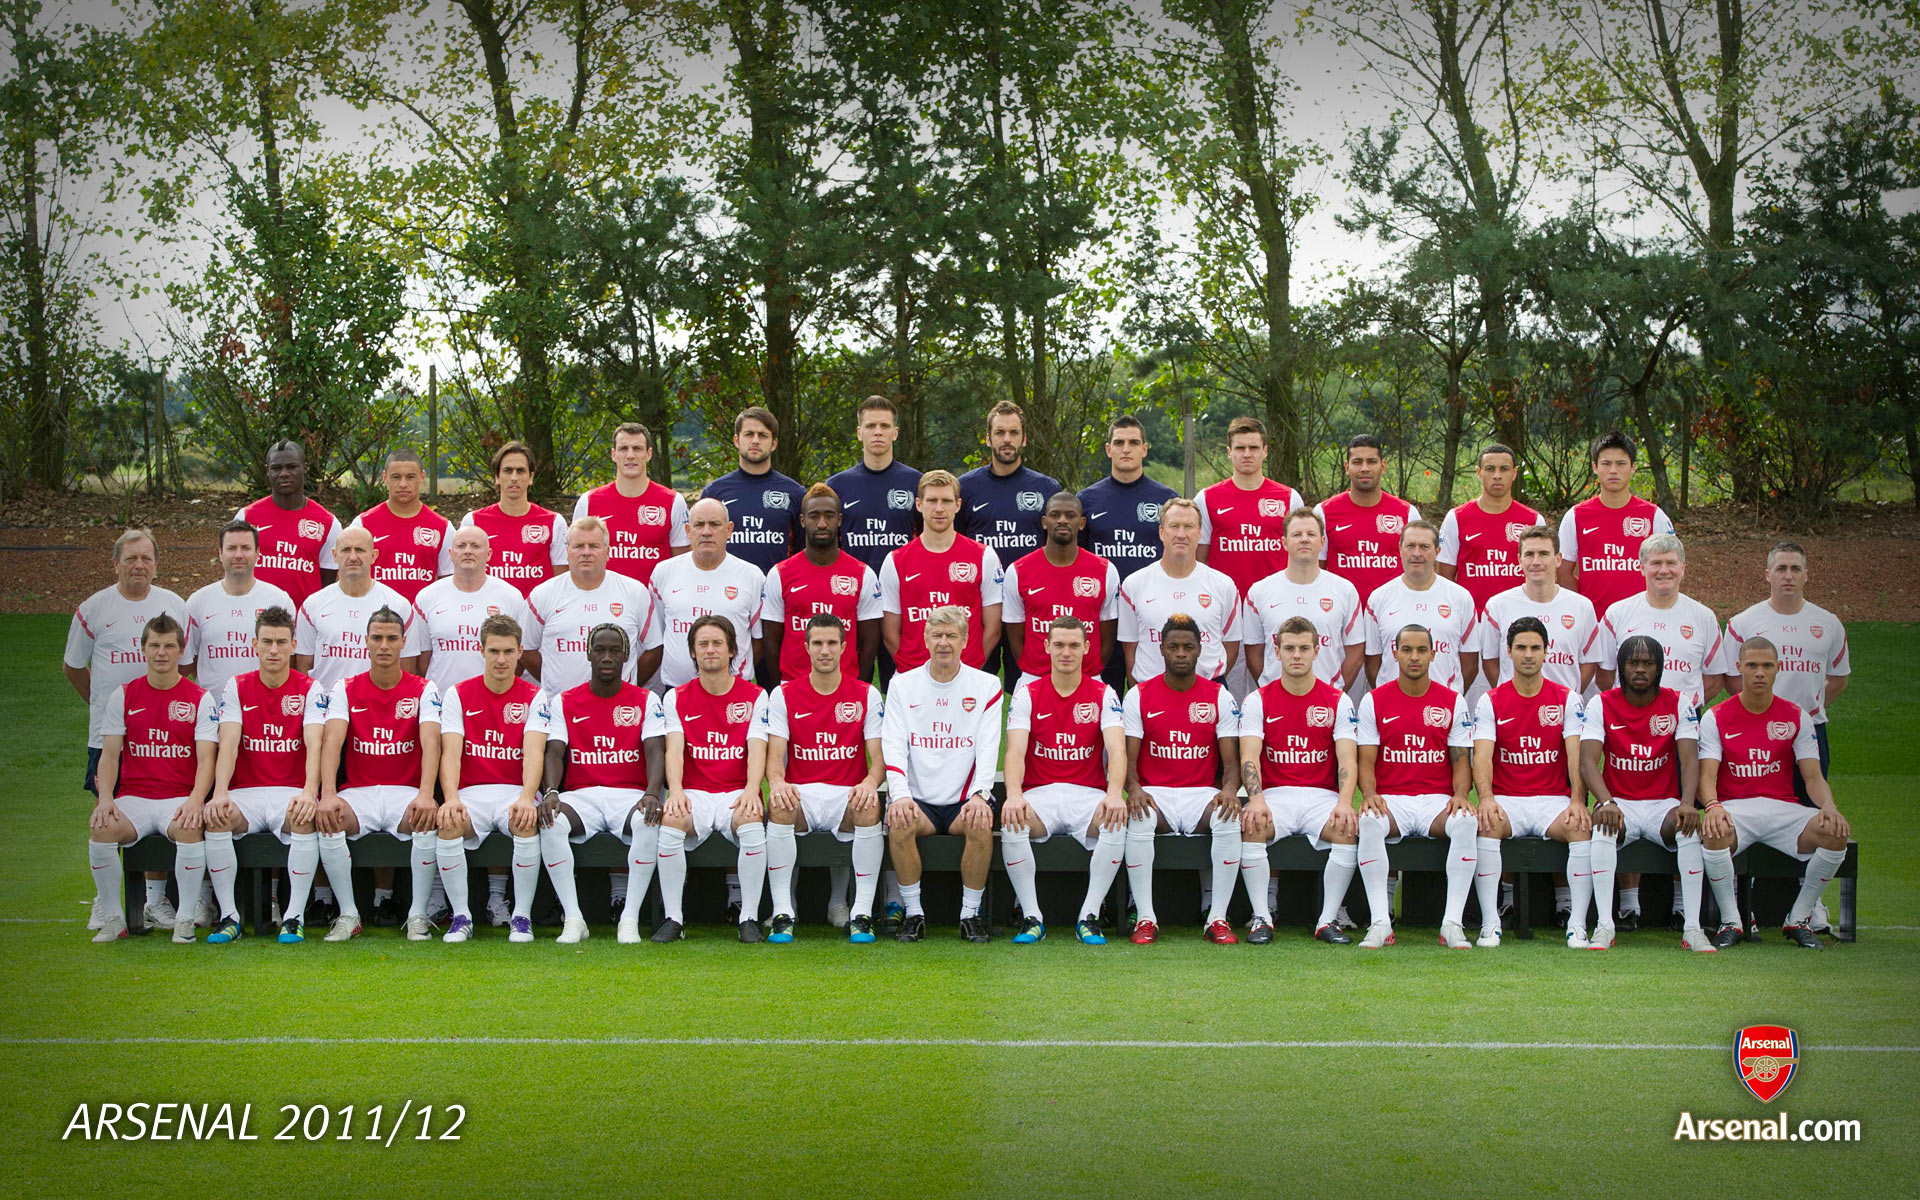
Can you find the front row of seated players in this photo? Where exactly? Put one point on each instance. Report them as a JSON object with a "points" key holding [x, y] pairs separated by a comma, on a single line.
{"points": [[317, 768]]}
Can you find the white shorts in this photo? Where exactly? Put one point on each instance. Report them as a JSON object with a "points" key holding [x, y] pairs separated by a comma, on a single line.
{"points": [[379, 808], [1064, 808], [824, 805], [1530, 815], [1414, 815], [487, 805], [1776, 823], [602, 810], [712, 813], [1301, 810], [265, 809], [1184, 808], [148, 817], [1644, 819]]}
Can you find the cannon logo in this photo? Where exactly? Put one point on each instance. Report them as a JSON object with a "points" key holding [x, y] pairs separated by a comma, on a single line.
{"points": [[313, 531], [1636, 527], [1780, 731], [845, 585], [1326, 604], [1552, 714], [1566, 620], [1086, 586], [1765, 1058], [1272, 507], [740, 710], [514, 714], [536, 535]]}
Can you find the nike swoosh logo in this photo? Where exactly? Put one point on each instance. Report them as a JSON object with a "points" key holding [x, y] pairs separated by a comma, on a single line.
{"points": [[1595, 529], [1504, 721], [1693, 872], [1338, 528], [134, 712], [912, 577], [248, 707], [1225, 509], [1727, 737], [1388, 720], [846, 504], [217, 870], [801, 716], [1096, 516], [1467, 537], [473, 712], [798, 587], [978, 507], [352, 709], [1152, 715]]}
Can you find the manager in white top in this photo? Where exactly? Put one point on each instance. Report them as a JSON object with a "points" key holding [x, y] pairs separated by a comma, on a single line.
{"points": [[331, 641], [1179, 583], [220, 615], [707, 581], [450, 611]]}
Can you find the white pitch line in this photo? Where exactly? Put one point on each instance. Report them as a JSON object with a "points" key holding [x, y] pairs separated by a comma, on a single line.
{"points": [[913, 1043]]}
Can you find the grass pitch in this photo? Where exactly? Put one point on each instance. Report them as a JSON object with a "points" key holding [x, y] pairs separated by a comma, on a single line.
{"points": [[945, 1069]]}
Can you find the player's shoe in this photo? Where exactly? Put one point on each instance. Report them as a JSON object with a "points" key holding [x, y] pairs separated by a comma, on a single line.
{"points": [[1031, 931], [1696, 939], [293, 930], [1145, 933], [205, 912], [1220, 934], [1802, 937], [96, 913], [573, 932], [1677, 922], [1563, 917], [670, 931], [1727, 936], [1259, 932], [460, 929], [976, 930], [913, 928], [1453, 937], [733, 912], [1333, 935], [891, 916], [419, 929], [627, 931], [1489, 939], [440, 913], [498, 912], [1820, 921], [160, 913], [1602, 938], [1379, 934], [321, 912], [519, 929], [780, 932], [838, 913], [750, 932], [227, 930], [113, 927], [185, 932], [859, 929], [1088, 931], [1576, 938], [1342, 921], [387, 914], [1627, 922], [345, 928]]}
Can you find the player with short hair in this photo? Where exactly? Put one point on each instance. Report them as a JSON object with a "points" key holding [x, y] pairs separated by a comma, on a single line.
{"points": [[1638, 757], [296, 533], [645, 520], [1005, 498], [942, 744], [1060, 579], [605, 772], [1182, 767], [157, 737], [1298, 764], [1420, 596], [489, 780], [1601, 537], [877, 499], [940, 568], [330, 641], [1684, 627], [762, 504], [1480, 540], [1526, 773], [1066, 741], [451, 609], [1752, 744], [824, 764], [221, 615], [1123, 510], [1811, 643], [822, 578], [707, 581], [1363, 524], [1415, 741], [713, 779], [529, 543], [1573, 631], [412, 537], [568, 607], [267, 769], [1304, 590], [1243, 521], [1179, 583]]}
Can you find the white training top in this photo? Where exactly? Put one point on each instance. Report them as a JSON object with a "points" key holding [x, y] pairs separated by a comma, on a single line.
{"points": [[1149, 596], [104, 638], [942, 740], [333, 629], [450, 625], [1812, 645], [683, 593], [1445, 608], [564, 614], [1688, 630], [1573, 632], [1330, 602]]}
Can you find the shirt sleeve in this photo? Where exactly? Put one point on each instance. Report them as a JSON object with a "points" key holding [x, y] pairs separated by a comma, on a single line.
{"points": [[580, 506], [1112, 716], [1589, 644], [337, 709], [1020, 710], [1346, 722], [655, 723], [206, 724], [1365, 732], [889, 586], [1805, 744], [876, 714], [1721, 658], [317, 706], [1375, 643], [1594, 727], [1607, 651], [991, 577], [113, 721], [79, 654], [1253, 716], [230, 702], [1130, 714], [1129, 630], [1110, 610], [871, 605], [893, 744], [430, 705], [1320, 510], [1574, 722], [1206, 517], [453, 714], [557, 541], [446, 548], [1569, 538], [1226, 717], [1662, 523], [1013, 610], [678, 537], [770, 716], [327, 562], [670, 712], [1413, 511], [1484, 724], [556, 722], [986, 746], [1231, 631], [530, 633], [1461, 735], [190, 635], [1842, 661], [1689, 721], [1253, 629], [1450, 539], [1708, 731], [773, 601], [1356, 630], [416, 642]]}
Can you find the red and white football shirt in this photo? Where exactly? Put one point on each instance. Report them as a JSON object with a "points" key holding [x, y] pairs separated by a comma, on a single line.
{"points": [[104, 639], [1065, 734], [1149, 596], [1244, 530], [565, 614], [332, 629], [273, 728], [295, 545], [383, 744], [1180, 732], [915, 580], [1687, 630], [643, 530], [1446, 610], [1035, 592], [220, 631], [1640, 746], [605, 736], [1573, 633], [492, 728], [826, 735], [1330, 602], [1758, 753], [1529, 736], [1812, 645], [1297, 733], [1603, 544], [1414, 734], [449, 621], [715, 730], [527, 550], [683, 593], [1483, 548], [1363, 544], [799, 590], [158, 759], [412, 550]]}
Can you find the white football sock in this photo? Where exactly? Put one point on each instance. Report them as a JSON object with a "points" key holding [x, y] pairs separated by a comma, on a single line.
{"points": [[303, 859], [156, 890], [556, 851], [1462, 856], [497, 884], [526, 874], [222, 864], [381, 895], [1821, 869], [425, 865], [1563, 896], [910, 899], [1016, 850], [1630, 900], [1140, 831], [1692, 860], [672, 853], [189, 870], [451, 855], [970, 901], [1334, 882], [1371, 862], [1579, 887], [1226, 865], [1256, 872], [869, 850], [1718, 865], [751, 862], [892, 881], [642, 856], [1679, 904], [733, 888], [1486, 881], [104, 858], [1109, 851], [1206, 888], [1506, 893], [1606, 857], [337, 856], [321, 892], [837, 879], [782, 850]]}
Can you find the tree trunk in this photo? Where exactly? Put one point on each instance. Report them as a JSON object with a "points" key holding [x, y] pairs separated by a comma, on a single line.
{"points": [[1456, 424], [46, 417], [1652, 444], [913, 447], [281, 275]]}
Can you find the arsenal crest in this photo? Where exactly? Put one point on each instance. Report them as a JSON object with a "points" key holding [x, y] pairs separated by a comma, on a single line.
{"points": [[1270, 507], [732, 592], [626, 715], [1390, 523], [651, 514], [1319, 716], [536, 535], [1437, 717], [406, 708], [615, 608], [514, 714], [899, 498], [1206, 600], [1662, 724], [1446, 610], [1636, 527], [845, 585], [969, 703], [1566, 620], [1326, 604], [292, 705], [1781, 731], [311, 530], [1514, 530], [493, 610], [848, 711], [740, 710], [1765, 1057], [1815, 630], [425, 536], [963, 572], [1084, 714], [1552, 714], [1686, 631], [1086, 585], [1202, 712], [180, 710]]}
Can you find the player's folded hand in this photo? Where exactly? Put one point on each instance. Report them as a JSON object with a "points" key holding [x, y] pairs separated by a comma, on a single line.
{"points": [[423, 813], [1113, 813], [453, 815], [190, 816], [104, 814], [1489, 813], [677, 805], [1226, 804], [1374, 805], [747, 806], [1016, 814], [1578, 818], [976, 814], [902, 813], [1831, 820], [1716, 823], [1609, 818], [861, 798]]}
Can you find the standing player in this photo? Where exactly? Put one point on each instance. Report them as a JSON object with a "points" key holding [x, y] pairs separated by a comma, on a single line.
{"points": [[1415, 741], [1526, 773], [330, 643], [220, 616], [1004, 498], [1600, 537], [713, 779], [450, 611], [529, 542], [1179, 583], [267, 771], [877, 499], [942, 743], [1811, 643], [1685, 627], [1749, 794], [824, 766], [1183, 764], [937, 569], [645, 520], [1305, 590], [1480, 540], [411, 537], [1060, 579], [568, 607], [1638, 757], [486, 774], [821, 579], [158, 732], [1573, 638], [1439, 605], [1363, 523], [762, 504], [709, 581], [296, 533], [1123, 510], [1066, 741], [1243, 520], [1298, 764]]}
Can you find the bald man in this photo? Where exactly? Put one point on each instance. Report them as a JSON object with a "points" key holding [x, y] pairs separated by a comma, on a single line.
{"points": [[452, 607], [707, 581]]}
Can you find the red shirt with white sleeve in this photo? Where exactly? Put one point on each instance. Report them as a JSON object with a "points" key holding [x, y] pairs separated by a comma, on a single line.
{"points": [[492, 729], [715, 729], [1244, 530], [643, 531], [1759, 752], [1414, 734], [383, 744], [915, 580], [1297, 733], [1035, 592], [1640, 746], [1363, 544], [295, 545], [527, 550], [799, 590], [1180, 732], [1065, 734], [605, 736], [1529, 736], [413, 550], [826, 735], [273, 724], [158, 759], [1603, 545], [1483, 548]]}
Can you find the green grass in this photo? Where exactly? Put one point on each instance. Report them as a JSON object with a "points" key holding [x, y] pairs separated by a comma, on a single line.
{"points": [[938, 1120]]}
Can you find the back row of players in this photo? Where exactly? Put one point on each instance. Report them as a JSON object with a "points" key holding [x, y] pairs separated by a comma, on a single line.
{"points": [[1235, 564]]}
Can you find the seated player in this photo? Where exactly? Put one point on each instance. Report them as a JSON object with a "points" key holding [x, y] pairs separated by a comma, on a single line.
{"points": [[1526, 773], [1638, 756], [485, 771], [1298, 764], [1065, 745], [378, 763], [156, 764], [713, 779], [1415, 740], [605, 771], [824, 769], [1753, 745], [1182, 763], [942, 742], [267, 771]]}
